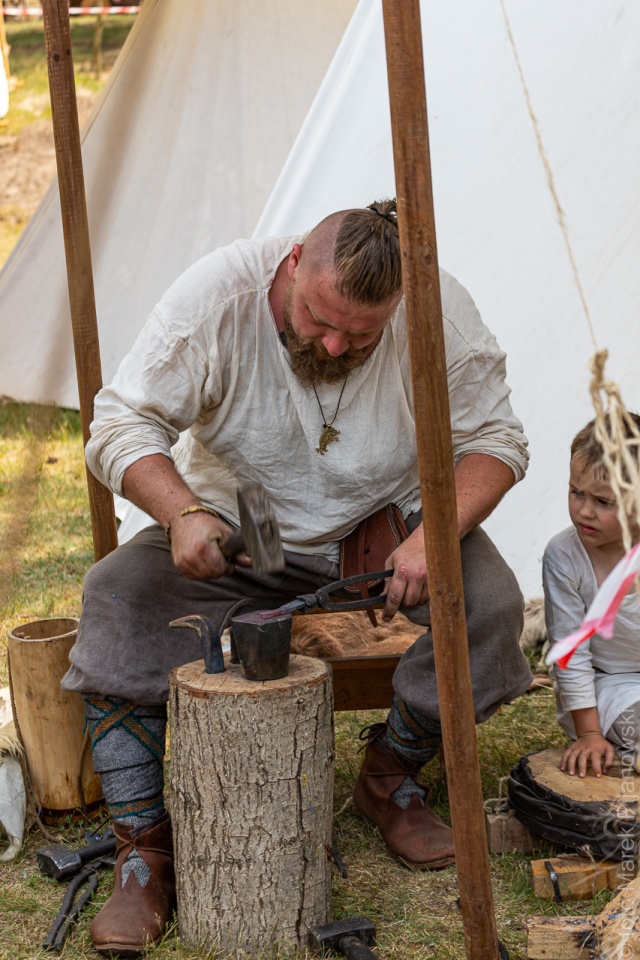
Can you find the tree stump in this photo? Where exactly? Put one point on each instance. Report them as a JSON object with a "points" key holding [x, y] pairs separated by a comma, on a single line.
{"points": [[251, 800]]}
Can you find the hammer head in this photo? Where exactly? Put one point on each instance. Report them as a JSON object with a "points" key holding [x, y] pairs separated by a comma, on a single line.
{"points": [[259, 529], [326, 939], [58, 861]]}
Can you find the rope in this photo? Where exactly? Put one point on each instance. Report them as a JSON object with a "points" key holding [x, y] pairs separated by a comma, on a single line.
{"points": [[615, 430], [619, 438], [550, 180]]}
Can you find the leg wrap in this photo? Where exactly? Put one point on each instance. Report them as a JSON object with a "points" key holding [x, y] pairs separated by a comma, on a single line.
{"points": [[411, 735], [128, 744], [414, 738]]}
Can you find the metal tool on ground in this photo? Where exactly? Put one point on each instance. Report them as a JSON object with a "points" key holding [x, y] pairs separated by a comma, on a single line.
{"points": [[350, 937], [70, 910], [61, 862], [259, 534]]}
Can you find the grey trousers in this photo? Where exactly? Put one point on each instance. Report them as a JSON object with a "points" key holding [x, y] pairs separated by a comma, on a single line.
{"points": [[126, 649]]}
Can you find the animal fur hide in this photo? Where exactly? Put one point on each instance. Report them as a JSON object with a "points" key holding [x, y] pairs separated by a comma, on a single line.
{"points": [[9, 743], [534, 634], [352, 635]]}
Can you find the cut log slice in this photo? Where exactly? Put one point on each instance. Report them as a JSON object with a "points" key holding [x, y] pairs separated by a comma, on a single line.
{"points": [[595, 815]]}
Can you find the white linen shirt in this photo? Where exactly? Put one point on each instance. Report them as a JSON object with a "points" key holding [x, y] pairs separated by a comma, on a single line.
{"points": [[601, 673], [209, 364]]}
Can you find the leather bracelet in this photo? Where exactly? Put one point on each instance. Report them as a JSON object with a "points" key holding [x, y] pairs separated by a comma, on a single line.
{"points": [[194, 508]]}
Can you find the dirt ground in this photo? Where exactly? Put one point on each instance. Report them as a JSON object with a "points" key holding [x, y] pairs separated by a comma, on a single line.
{"points": [[28, 163]]}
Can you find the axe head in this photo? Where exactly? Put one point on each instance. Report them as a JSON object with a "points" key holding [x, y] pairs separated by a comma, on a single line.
{"points": [[259, 527]]}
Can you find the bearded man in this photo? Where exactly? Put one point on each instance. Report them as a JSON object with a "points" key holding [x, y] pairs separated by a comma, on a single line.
{"points": [[284, 362]]}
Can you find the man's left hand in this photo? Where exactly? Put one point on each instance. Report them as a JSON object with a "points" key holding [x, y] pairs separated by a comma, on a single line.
{"points": [[481, 482], [408, 586]]}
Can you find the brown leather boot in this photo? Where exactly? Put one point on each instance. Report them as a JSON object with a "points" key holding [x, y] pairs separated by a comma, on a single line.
{"points": [[415, 836], [135, 917]]}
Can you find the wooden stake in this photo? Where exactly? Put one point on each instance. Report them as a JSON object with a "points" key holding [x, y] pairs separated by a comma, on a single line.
{"points": [[4, 46], [435, 458], [66, 131], [97, 44]]}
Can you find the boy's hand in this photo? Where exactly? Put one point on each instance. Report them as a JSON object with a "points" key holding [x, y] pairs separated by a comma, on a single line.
{"points": [[589, 747]]}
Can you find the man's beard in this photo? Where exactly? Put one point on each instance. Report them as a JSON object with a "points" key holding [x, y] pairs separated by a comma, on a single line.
{"points": [[311, 367]]}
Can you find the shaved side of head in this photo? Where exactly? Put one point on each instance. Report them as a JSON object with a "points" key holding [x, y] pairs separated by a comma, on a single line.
{"points": [[360, 251]]}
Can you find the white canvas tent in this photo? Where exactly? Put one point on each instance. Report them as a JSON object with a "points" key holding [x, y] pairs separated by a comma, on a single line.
{"points": [[497, 225], [180, 155]]}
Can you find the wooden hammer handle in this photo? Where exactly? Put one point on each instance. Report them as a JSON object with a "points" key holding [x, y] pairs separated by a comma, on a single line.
{"points": [[233, 545]]}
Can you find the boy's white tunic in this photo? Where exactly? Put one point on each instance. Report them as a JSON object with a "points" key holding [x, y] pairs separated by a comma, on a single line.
{"points": [[210, 362], [602, 673]]}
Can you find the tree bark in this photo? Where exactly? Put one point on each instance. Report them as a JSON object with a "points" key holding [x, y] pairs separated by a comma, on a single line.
{"points": [[251, 800]]}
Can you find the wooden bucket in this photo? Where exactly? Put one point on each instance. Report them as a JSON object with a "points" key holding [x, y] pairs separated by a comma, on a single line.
{"points": [[51, 720]]}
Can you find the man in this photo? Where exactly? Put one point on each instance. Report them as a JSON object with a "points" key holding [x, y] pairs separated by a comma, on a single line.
{"points": [[284, 361]]}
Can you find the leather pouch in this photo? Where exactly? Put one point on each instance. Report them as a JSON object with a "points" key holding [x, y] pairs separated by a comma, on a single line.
{"points": [[367, 547]]}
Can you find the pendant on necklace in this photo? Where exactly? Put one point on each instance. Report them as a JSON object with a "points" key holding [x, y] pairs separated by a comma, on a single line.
{"points": [[328, 435]]}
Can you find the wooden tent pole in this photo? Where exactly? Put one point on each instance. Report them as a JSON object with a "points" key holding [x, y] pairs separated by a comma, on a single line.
{"points": [[435, 457], [4, 46], [75, 226]]}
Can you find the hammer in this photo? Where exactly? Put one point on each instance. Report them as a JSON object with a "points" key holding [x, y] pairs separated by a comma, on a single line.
{"points": [[259, 535], [60, 862], [350, 937]]}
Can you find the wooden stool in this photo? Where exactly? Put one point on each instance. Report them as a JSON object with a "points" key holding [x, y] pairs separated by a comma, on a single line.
{"points": [[251, 801]]}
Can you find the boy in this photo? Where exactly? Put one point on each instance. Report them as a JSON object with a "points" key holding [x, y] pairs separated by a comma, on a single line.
{"points": [[598, 694]]}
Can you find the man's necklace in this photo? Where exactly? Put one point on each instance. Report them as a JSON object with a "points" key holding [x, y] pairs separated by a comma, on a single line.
{"points": [[329, 433]]}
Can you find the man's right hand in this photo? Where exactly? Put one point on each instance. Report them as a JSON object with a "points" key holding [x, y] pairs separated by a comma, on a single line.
{"points": [[195, 547], [154, 485]]}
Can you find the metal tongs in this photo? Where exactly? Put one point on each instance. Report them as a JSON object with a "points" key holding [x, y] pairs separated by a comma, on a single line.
{"points": [[321, 599]]}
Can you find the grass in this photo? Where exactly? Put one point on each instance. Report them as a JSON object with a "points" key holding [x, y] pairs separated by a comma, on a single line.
{"points": [[44, 516], [46, 549], [30, 100]]}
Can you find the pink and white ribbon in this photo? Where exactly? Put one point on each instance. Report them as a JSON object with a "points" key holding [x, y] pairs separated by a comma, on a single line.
{"points": [[601, 615]]}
